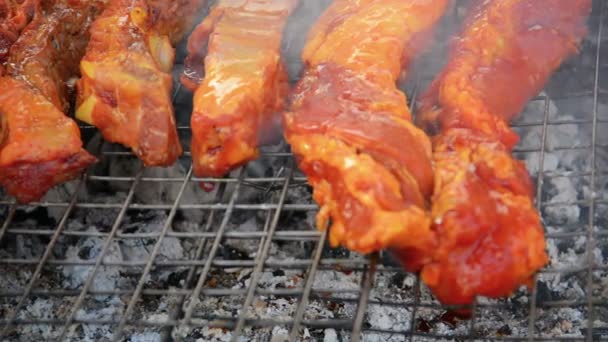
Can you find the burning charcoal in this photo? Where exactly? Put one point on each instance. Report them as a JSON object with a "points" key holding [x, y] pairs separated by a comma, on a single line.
{"points": [[398, 279], [423, 325], [504, 331], [34, 216], [335, 253], [28, 248], [139, 249], [176, 279], [230, 253], [544, 293], [88, 249], [110, 309]]}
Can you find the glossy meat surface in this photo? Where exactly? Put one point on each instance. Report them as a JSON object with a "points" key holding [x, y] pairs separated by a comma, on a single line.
{"points": [[126, 84], [351, 131], [503, 57], [39, 145], [240, 84], [14, 16], [491, 239], [490, 234]]}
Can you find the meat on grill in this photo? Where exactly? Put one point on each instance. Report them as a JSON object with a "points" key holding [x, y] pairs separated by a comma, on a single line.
{"points": [[239, 81], [14, 16], [126, 83], [490, 234], [39, 145], [351, 131]]}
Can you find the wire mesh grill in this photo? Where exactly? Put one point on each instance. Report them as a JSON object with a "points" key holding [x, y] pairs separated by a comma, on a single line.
{"points": [[128, 253]]}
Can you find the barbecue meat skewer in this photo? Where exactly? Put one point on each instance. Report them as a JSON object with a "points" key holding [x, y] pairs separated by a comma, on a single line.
{"points": [[490, 234], [14, 16], [39, 145], [351, 131], [126, 83], [239, 81]]}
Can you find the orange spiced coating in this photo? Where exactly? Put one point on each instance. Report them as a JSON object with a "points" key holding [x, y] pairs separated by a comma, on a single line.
{"points": [[126, 83], [351, 131], [491, 239], [39, 145], [239, 81], [14, 16]]}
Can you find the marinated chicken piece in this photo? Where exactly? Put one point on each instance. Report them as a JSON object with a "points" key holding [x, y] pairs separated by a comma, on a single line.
{"points": [[351, 131], [239, 81], [126, 83], [14, 16], [39, 145], [491, 238]]}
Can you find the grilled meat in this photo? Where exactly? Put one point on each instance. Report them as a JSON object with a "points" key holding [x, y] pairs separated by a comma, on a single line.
{"points": [[126, 83], [239, 81], [351, 131], [490, 234], [14, 16], [39, 146]]}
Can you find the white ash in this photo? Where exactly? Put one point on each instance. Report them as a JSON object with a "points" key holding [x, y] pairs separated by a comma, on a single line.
{"points": [[110, 309], [565, 192], [140, 249], [62, 193], [251, 225], [279, 334], [145, 337], [39, 309], [330, 335], [106, 278], [214, 335]]}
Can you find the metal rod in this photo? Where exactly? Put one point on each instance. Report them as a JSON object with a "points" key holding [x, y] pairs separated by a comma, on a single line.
{"points": [[194, 298], [98, 262], [151, 258], [9, 218], [260, 258], [198, 255], [310, 279], [367, 283], [590, 256], [45, 257], [539, 187]]}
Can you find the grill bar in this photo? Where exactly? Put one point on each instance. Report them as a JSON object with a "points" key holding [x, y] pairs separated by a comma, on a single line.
{"points": [[153, 255], [99, 259], [189, 282], [372, 298], [591, 242], [187, 320], [306, 293], [40, 265], [261, 257]]}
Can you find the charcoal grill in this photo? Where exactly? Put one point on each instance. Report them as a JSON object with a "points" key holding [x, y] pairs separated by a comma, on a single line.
{"points": [[133, 254]]}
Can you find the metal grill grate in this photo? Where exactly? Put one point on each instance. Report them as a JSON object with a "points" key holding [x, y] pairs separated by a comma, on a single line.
{"points": [[290, 284]]}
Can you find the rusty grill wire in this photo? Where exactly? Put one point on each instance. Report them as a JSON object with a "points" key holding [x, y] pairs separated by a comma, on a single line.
{"points": [[207, 262]]}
